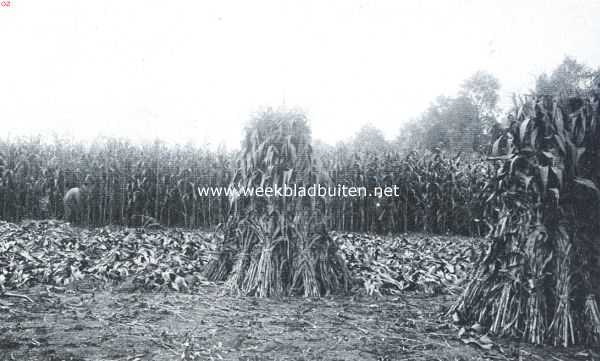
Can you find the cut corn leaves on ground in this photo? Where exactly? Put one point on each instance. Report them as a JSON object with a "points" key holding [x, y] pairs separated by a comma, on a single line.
{"points": [[410, 262], [54, 253]]}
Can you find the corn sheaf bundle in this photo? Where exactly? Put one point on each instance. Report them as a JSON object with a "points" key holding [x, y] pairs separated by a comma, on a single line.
{"points": [[274, 246], [540, 277]]}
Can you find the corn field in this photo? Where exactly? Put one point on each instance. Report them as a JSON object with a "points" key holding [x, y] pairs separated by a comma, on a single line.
{"points": [[128, 183], [438, 193], [135, 183], [536, 198]]}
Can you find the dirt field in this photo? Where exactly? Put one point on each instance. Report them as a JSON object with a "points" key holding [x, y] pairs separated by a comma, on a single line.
{"points": [[82, 322]]}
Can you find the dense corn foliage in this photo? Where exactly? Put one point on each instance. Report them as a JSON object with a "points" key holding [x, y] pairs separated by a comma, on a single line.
{"points": [[438, 193], [129, 183]]}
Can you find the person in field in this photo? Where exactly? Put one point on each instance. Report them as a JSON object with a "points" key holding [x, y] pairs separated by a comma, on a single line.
{"points": [[75, 204]]}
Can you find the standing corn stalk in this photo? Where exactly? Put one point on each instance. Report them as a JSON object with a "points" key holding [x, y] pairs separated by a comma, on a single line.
{"points": [[273, 245], [540, 278]]}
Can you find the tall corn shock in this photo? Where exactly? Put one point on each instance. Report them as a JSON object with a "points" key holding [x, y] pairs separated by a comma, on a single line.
{"points": [[273, 246], [540, 279]]}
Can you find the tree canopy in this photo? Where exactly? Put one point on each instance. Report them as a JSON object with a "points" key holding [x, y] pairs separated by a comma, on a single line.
{"points": [[457, 123], [570, 78]]}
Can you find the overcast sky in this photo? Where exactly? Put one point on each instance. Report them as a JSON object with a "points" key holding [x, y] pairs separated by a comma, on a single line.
{"points": [[196, 70]]}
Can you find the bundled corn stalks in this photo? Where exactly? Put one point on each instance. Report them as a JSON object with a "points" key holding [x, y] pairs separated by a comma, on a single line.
{"points": [[540, 278], [273, 246]]}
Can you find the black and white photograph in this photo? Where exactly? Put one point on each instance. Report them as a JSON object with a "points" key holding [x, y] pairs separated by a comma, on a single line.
{"points": [[286, 180]]}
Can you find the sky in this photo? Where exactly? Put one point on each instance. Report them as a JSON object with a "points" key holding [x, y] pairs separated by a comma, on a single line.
{"points": [[197, 70]]}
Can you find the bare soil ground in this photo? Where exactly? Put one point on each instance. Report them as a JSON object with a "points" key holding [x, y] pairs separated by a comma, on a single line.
{"points": [[91, 322]]}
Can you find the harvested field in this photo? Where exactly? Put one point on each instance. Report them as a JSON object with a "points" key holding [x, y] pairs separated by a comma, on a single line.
{"points": [[91, 323], [98, 316]]}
